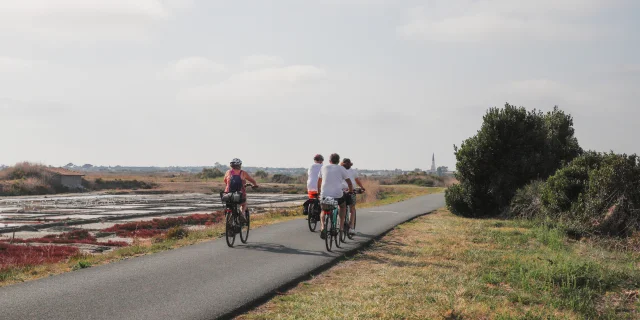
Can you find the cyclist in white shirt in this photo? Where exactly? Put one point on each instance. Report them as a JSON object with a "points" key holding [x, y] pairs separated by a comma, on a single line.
{"points": [[351, 197], [312, 180], [330, 185]]}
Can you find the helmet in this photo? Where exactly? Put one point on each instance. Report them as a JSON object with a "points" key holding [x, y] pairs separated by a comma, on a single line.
{"points": [[318, 157], [236, 162]]}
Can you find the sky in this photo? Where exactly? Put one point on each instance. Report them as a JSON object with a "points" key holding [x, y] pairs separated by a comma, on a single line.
{"points": [[385, 83]]}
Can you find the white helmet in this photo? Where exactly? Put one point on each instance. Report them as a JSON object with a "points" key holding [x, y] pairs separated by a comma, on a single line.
{"points": [[236, 162]]}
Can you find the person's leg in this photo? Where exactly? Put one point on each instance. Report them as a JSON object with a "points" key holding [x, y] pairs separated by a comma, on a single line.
{"points": [[353, 216], [343, 211]]}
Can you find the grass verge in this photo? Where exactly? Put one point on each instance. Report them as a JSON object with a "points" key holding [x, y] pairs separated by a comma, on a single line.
{"points": [[397, 193], [445, 267]]}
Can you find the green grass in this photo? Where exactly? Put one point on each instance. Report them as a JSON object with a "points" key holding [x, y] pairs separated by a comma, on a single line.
{"points": [[443, 266]]}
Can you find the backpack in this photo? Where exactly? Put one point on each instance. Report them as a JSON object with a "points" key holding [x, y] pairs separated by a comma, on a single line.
{"points": [[235, 182]]}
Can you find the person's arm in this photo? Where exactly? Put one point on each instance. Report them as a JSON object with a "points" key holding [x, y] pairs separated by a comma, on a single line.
{"points": [[252, 180], [319, 184], [359, 183], [226, 177], [350, 184]]}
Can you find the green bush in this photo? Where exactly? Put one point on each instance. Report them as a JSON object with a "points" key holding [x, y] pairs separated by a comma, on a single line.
{"points": [[261, 174], [527, 201], [595, 193], [210, 173], [512, 148]]}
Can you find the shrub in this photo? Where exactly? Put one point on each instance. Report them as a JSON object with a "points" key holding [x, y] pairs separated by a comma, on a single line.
{"points": [[595, 193], [512, 148], [527, 201], [177, 232], [261, 174], [282, 178], [210, 173]]}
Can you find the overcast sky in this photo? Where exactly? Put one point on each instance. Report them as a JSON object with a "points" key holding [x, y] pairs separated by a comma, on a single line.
{"points": [[384, 82]]}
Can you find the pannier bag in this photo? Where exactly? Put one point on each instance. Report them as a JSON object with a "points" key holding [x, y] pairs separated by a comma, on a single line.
{"points": [[232, 197]]}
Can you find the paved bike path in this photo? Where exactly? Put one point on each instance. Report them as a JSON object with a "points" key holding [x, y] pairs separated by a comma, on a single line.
{"points": [[202, 281]]}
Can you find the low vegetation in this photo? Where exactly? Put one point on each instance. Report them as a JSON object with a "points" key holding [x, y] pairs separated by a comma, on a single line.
{"points": [[76, 236], [422, 179], [157, 226], [28, 179], [442, 266], [118, 184]]}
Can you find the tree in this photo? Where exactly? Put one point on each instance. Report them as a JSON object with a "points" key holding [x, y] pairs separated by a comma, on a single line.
{"points": [[210, 173], [261, 174], [512, 148]]}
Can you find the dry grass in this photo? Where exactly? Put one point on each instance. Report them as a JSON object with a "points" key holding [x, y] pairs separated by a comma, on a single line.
{"points": [[445, 267], [394, 193]]}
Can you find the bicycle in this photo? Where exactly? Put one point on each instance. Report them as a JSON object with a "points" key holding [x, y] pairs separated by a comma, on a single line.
{"points": [[313, 213], [233, 226], [330, 207], [347, 218]]}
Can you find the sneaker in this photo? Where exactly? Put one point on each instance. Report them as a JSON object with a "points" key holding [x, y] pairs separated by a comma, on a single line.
{"points": [[323, 234], [352, 232]]}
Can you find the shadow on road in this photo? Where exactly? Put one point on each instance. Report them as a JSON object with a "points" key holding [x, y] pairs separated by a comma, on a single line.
{"points": [[278, 248]]}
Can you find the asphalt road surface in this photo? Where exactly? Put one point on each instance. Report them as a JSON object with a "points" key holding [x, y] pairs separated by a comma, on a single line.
{"points": [[204, 281]]}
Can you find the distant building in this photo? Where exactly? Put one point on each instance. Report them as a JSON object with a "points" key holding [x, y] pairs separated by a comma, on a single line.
{"points": [[433, 164], [67, 178]]}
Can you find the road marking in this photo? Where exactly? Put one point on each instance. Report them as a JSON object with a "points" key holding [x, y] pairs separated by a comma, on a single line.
{"points": [[385, 212]]}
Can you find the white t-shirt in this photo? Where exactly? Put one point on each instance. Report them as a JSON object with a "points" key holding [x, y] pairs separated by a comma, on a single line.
{"points": [[332, 176], [353, 174], [312, 180]]}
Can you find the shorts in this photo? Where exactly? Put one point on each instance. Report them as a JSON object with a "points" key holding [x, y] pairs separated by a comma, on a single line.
{"points": [[350, 199]]}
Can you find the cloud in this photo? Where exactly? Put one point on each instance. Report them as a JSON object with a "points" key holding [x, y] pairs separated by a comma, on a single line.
{"points": [[192, 68], [262, 61], [475, 21], [10, 64], [257, 85], [73, 19]]}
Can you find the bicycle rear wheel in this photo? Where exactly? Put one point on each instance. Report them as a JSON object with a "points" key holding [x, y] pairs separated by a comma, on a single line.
{"points": [[327, 228], [311, 217], [244, 228], [230, 229]]}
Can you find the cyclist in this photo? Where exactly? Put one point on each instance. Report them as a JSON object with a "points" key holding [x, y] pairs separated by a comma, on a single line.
{"points": [[312, 180], [235, 179], [330, 185], [351, 197]]}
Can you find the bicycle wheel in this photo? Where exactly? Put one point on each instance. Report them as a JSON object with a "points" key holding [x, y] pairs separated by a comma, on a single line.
{"points": [[230, 230], [335, 231], [327, 227], [244, 228], [313, 222]]}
